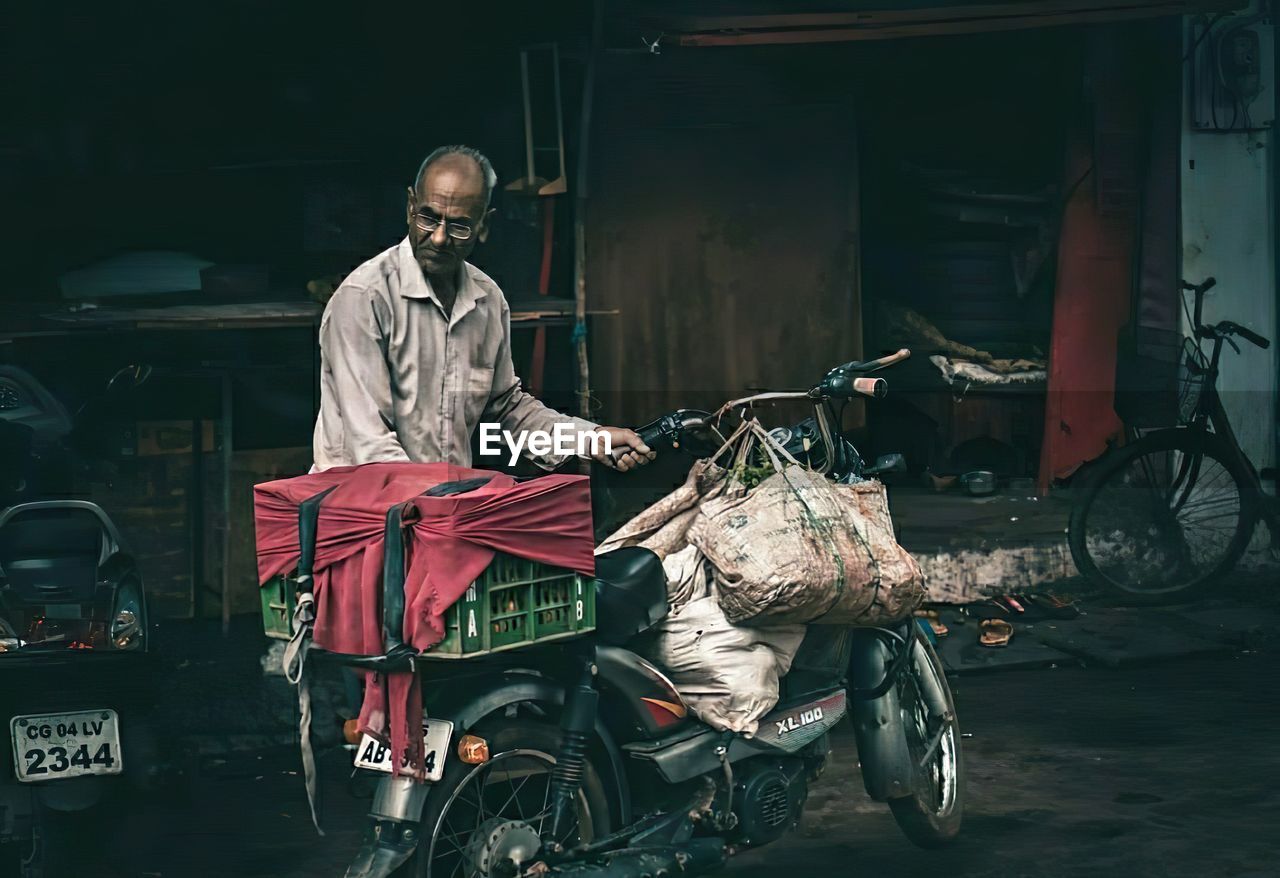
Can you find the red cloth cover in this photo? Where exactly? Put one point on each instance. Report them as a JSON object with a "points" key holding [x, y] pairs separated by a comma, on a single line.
{"points": [[1095, 271], [452, 540]]}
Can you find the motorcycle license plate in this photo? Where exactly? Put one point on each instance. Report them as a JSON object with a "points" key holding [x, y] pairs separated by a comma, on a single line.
{"points": [[61, 745], [376, 756]]}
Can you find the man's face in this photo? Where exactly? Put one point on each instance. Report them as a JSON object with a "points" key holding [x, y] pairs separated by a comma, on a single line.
{"points": [[451, 194]]}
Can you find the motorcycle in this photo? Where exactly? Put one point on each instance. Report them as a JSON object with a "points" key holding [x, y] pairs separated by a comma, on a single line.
{"points": [[581, 759], [74, 656]]}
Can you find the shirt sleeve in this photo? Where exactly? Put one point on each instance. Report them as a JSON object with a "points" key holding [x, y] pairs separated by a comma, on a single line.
{"points": [[518, 411], [353, 348]]}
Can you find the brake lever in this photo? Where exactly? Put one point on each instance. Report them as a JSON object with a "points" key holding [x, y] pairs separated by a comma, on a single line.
{"points": [[1231, 341]]}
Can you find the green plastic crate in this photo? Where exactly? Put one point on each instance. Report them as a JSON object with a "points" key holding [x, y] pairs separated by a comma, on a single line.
{"points": [[278, 601], [514, 603]]}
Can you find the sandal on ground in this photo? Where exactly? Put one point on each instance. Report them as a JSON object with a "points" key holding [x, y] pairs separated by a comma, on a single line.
{"points": [[995, 633], [1052, 607], [936, 625], [1012, 603]]}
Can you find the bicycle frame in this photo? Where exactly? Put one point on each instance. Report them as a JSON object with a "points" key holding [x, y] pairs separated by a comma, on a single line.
{"points": [[1210, 412]]}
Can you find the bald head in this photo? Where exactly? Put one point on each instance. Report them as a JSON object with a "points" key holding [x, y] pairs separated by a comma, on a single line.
{"points": [[448, 209], [462, 161]]}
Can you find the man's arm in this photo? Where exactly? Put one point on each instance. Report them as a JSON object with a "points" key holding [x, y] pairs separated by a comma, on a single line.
{"points": [[517, 411], [353, 350]]}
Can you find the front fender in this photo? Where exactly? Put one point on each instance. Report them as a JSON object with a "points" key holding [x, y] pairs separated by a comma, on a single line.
{"points": [[887, 767]]}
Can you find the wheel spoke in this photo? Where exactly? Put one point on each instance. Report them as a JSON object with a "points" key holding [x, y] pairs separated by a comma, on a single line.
{"points": [[515, 797], [1163, 520], [503, 780], [546, 803]]}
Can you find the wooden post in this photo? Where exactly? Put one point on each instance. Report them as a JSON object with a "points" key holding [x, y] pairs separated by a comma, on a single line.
{"points": [[226, 502], [580, 217], [195, 517]]}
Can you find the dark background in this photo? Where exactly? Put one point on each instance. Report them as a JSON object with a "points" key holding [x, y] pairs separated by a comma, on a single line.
{"points": [[244, 132]]}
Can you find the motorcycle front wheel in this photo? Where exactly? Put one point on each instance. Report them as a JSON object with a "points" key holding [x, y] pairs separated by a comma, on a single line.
{"points": [[514, 785], [931, 816]]}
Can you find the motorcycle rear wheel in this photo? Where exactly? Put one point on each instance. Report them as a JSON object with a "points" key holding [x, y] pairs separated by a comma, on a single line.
{"points": [[517, 773], [931, 816]]}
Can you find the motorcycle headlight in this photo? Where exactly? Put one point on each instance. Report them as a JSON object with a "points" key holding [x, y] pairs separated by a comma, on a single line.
{"points": [[129, 621]]}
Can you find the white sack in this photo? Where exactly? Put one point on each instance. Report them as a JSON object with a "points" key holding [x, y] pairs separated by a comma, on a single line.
{"points": [[727, 674], [686, 573]]}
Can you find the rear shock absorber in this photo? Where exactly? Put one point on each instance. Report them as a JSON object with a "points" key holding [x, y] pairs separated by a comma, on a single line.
{"points": [[576, 725]]}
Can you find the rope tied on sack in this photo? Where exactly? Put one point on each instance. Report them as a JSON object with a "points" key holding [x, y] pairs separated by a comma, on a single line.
{"points": [[819, 524]]}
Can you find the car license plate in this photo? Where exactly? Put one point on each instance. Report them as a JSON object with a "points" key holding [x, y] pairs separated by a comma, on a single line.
{"points": [[61, 745], [376, 756]]}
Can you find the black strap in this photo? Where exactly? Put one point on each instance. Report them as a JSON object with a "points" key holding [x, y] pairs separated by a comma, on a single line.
{"points": [[308, 525], [446, 489], [393, 575]]}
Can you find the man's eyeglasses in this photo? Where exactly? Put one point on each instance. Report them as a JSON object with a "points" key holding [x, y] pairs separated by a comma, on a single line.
{"points": [[428, 225]]}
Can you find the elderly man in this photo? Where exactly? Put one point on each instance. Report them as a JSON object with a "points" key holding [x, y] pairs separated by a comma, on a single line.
{"points": [[416, 342]]}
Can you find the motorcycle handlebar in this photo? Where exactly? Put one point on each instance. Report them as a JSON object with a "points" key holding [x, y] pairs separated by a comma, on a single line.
{"points": [[667, 428], [873, 365], [845, 386], [650, 434], [876, 388], [842, 382]]}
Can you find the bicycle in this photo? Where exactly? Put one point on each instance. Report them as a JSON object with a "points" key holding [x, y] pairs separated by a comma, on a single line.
{"points": [[1175, 510]]}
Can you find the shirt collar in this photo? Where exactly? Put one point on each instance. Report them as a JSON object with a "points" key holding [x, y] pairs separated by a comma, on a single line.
{"points": [[414, 284]]}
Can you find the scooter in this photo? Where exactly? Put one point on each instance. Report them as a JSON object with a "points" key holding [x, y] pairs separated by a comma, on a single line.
{"points": [[581, 759], [76, 676]]}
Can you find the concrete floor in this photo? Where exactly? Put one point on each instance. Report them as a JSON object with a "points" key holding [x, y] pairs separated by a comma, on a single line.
{"points": [[1165, 770]]}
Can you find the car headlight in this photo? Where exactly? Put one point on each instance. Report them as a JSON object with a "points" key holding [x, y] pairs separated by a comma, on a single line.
{"points": [[129, 621], [9, 641]]}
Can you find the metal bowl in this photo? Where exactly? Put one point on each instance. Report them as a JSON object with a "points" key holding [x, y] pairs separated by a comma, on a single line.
{"points": [[979, 483]]}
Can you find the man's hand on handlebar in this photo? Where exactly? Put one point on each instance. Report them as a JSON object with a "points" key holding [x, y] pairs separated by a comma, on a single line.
{"points": [[628, 450]]}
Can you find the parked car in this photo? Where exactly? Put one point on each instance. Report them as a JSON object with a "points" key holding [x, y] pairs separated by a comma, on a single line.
{"points": [[76, 671]]}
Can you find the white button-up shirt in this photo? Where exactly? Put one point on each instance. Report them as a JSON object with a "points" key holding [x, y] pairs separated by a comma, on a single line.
{"points": [[402, 381]]}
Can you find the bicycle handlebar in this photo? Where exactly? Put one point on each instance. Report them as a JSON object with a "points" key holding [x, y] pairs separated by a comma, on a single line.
{"points": [[1228, 327]]}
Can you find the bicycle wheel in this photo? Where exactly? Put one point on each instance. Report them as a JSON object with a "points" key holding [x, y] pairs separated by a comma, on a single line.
{"points": [[1164, 516]]}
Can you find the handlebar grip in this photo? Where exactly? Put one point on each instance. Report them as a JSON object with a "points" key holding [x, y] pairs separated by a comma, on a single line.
{"points": [[668, 429], [902, 354], [1250, 335], [876, 388], [652, 434]]}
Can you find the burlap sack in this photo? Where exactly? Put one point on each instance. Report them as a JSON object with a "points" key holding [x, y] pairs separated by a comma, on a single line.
{"points": [[801, 548], [796, 548], [662, 527]]}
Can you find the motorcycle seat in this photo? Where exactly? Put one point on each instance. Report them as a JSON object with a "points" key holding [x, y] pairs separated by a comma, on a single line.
{"points": [[631, 594]]}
